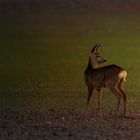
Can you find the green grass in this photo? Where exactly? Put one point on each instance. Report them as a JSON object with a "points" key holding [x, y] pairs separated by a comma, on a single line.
{"points": [[41, 65]]}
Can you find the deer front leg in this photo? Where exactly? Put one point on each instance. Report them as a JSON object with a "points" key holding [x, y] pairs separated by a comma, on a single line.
{"points": [[90, 91], [100, 101]]}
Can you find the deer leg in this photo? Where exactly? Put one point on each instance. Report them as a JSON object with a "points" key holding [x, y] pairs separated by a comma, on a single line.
{"points": [[118, 95], [124, 98], [100, 101], [90, 91]]}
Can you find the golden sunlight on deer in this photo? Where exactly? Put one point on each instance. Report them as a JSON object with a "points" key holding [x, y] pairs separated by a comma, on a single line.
{"points": [[110, 76]]}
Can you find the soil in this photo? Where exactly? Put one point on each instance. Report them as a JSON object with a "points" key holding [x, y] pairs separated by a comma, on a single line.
{"points": [[70, 124]]}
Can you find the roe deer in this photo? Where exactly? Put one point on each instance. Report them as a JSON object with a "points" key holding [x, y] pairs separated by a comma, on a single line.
{"points": [[110, 76]]}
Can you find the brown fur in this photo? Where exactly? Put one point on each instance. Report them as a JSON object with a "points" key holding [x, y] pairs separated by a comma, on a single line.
{"points": [[111, 77]]}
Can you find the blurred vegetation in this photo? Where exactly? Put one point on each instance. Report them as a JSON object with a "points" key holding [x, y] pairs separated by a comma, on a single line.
{"points": [[43, 55]]}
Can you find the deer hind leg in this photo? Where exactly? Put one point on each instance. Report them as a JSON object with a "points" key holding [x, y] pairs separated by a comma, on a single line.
{"points": [[120, 87], [116, 92]]}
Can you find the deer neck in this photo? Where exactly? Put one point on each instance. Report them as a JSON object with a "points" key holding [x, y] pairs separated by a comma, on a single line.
{"points": [[91, 64]]}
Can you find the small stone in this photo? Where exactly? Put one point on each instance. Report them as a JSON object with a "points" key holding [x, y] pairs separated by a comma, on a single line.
{"points": [[63, 118]]}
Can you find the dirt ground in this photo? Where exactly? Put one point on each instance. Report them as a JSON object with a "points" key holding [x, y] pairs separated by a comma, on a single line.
{"points": [[69, 124]]}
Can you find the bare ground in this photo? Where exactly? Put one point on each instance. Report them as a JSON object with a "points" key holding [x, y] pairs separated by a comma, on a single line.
{"points": [[69, 124]]}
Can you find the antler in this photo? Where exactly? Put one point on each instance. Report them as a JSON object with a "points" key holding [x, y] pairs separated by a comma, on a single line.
{"points": [[95, 48], [98, 47]]}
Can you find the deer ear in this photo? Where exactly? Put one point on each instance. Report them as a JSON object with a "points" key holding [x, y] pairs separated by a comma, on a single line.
{"points": [[94, 49], [98, 47]]}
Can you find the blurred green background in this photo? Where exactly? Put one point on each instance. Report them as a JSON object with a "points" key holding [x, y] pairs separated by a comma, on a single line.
{"points": [[44, 48]]}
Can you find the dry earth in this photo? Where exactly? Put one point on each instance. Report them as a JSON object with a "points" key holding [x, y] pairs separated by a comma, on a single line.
{"points": [[68, 125]]}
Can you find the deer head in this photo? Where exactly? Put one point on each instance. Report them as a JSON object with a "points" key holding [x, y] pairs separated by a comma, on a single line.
{"points": [[95, 57]]}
